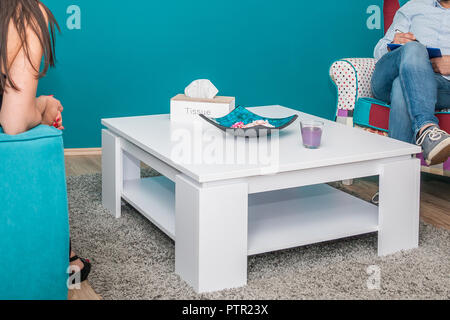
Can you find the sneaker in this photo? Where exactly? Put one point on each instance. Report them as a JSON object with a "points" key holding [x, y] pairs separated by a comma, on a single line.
{"points": [[376, 198], [435, 145]]}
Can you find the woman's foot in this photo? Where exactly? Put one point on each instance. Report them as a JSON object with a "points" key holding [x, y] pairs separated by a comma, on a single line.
{"points": [[81, 266]]}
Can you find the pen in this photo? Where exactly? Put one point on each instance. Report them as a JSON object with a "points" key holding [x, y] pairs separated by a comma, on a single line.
{"points": [[400, 31]]}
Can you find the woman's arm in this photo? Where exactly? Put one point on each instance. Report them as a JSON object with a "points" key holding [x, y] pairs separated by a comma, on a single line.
{"points": [[21, 110]]}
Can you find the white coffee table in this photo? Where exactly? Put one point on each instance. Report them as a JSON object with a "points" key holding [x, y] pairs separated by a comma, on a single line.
{"points": [[220, 213]]}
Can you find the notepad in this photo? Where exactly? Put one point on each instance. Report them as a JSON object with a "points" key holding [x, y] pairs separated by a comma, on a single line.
{"points": [[432, 52]]}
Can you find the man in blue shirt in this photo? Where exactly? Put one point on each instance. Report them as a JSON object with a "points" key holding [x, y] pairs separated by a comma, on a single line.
{"points": [[415, 85]]}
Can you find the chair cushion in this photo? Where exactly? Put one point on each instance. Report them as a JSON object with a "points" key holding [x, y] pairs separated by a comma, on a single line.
{"points": [[444, 120], [390, 8], [374, 114]]}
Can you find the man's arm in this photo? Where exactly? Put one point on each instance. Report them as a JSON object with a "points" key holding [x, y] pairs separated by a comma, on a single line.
{"points": [[402, 23]]}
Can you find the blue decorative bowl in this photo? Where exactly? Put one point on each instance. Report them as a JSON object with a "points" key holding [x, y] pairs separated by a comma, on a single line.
{"points": [[241, 114]]}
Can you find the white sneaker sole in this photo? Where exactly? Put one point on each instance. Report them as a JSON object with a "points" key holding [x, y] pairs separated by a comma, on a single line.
{"points": [[439, 154]]}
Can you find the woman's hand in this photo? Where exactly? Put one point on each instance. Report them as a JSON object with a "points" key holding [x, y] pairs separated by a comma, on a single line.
{"points": [[51, 115]]}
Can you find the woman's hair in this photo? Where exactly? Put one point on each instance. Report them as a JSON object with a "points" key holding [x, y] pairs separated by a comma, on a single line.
{"points": [[26, 14]]}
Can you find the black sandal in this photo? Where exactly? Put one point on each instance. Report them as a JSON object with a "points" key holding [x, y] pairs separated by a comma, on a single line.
{"points": [[84, 273]]}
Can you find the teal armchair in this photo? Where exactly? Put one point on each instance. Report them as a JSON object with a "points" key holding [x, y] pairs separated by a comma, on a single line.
{"points": [[34, 225]]}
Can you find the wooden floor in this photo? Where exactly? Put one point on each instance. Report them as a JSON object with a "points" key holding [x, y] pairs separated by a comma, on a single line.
{"points": [[435, 201], [84, 293], [78, 165]]}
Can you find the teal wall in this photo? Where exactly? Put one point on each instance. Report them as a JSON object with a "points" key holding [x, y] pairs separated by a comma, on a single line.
{"points": [[131, 57]]}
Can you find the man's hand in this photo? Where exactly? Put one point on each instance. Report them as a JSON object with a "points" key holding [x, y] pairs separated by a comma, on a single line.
{"points": [[402, 38], [441, 65]]}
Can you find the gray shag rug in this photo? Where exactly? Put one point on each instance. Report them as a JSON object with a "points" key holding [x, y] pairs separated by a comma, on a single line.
{"points": [[132, 259]]}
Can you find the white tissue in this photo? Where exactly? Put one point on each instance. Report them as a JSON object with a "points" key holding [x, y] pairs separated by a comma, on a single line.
{"points": [[201, 89]]}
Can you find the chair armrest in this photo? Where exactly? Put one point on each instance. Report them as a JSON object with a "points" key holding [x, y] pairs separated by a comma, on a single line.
{"points": [[352, 79], [34, 221], [37, 133]]}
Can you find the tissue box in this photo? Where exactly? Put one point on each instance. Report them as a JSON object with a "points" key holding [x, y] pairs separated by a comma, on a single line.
{"points": [[186, 109]]}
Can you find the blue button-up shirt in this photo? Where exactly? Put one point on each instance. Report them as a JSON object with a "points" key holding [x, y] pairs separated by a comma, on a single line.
{"points": [[427, 20]]}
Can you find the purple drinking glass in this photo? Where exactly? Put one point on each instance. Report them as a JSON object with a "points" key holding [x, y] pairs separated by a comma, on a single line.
{"points": [[311, 133]]}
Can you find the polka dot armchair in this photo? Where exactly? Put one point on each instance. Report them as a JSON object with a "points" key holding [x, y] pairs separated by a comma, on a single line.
{"points": [[352, 78]]}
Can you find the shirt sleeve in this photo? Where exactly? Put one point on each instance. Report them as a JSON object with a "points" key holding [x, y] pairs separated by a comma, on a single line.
{"points": [[401, 22]]}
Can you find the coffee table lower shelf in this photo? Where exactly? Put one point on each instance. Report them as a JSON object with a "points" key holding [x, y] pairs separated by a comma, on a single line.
{"points": [[277, 220]]}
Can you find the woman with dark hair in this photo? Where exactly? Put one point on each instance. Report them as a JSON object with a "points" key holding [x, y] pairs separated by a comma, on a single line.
{"points": [[27, 38]]}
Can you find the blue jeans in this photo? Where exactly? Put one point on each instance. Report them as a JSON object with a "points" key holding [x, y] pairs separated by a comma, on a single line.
{"points": [[405, 79]]}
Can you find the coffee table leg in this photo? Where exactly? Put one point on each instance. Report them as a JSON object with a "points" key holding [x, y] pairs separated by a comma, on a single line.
{"points": [[117, 166], [111, 173], [211, 235], [399, 210]]}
